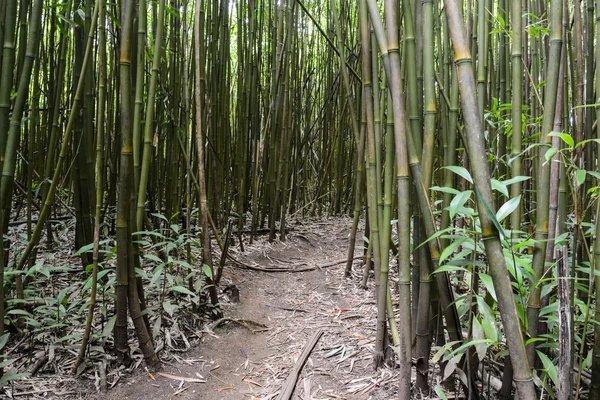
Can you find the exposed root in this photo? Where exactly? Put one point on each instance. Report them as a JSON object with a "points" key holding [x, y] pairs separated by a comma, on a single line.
{"points": [[378, 359]]}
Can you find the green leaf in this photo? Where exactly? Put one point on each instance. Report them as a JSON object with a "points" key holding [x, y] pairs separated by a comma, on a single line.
{"points": [[460, 171], [107, 331], [491, 332], [499, 186], [508, 208], [442, 350], [451, 366], [4, 340], [183, 290], [16, 311], [550, 153], [547, 288], [440, 392], [478, 334], [490, 213], [516, 179], [450, 248], [11, 375], [549, 309], [580, 176], [565, 138], [450, 268], [85, 249], [489, 285], [594, 174], [458, 201], [207, 271], [549, 367], [444, 189], [153, 258], [169, 308]]}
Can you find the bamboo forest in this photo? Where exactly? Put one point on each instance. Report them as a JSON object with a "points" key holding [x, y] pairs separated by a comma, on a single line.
{"points": [[300, 199]]}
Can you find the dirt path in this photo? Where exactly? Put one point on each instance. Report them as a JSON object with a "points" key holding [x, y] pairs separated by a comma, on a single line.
{"points": [[239, 364]]}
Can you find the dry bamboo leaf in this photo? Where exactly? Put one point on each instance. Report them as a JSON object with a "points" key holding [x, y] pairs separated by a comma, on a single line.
{"points": [[252, 382], [181, 378], [181, 390]]}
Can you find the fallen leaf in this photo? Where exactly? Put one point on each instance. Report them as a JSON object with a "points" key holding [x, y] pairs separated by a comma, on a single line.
{"points": [[150, 375], [252, 382], [182, 378], [181, 390]]}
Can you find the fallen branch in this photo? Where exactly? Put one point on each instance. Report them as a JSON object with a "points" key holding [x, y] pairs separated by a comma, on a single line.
{"points": [[242, 322], [286, 308], [290, 384], [287, 269]]}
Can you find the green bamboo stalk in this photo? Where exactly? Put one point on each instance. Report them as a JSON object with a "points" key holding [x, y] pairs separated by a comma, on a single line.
{"points": [[204, 216], [516, 109], [403, 185], [14, 132], [481, 177], [429, 106], [49, 198], [149, 119], [126, 275], [543, 183], [99, 185], [371, 164], [6, 82], [140, 73]]}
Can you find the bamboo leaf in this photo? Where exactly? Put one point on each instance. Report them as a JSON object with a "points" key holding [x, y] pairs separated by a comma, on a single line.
{"points": [[440, 392], [550, 153], [491, 332], [4, 340], [489, 285], [444, 189], [549, 367], [565, 138], [499, 186], [442, 350], [580, 176], [508, 208], [458, 201], [516, 179], [207, 271], [461, 171], [450, 249], [85, 249], [478, 334], [183, 290], [169, 308], [490, 213]]}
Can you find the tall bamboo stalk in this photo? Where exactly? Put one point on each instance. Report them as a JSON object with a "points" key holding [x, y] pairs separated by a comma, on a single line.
{"points": [[206, 249], [481, 177], [543, 186]]}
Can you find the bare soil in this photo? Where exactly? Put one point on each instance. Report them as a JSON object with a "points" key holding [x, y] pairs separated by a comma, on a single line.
{"points": [[251, 362]]}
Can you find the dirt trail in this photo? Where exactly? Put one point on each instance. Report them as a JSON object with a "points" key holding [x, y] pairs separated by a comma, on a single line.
{"points": [[239, 364]]}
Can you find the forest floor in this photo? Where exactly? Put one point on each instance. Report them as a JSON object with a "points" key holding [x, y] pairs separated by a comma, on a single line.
{"points": [[253, 362]]}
